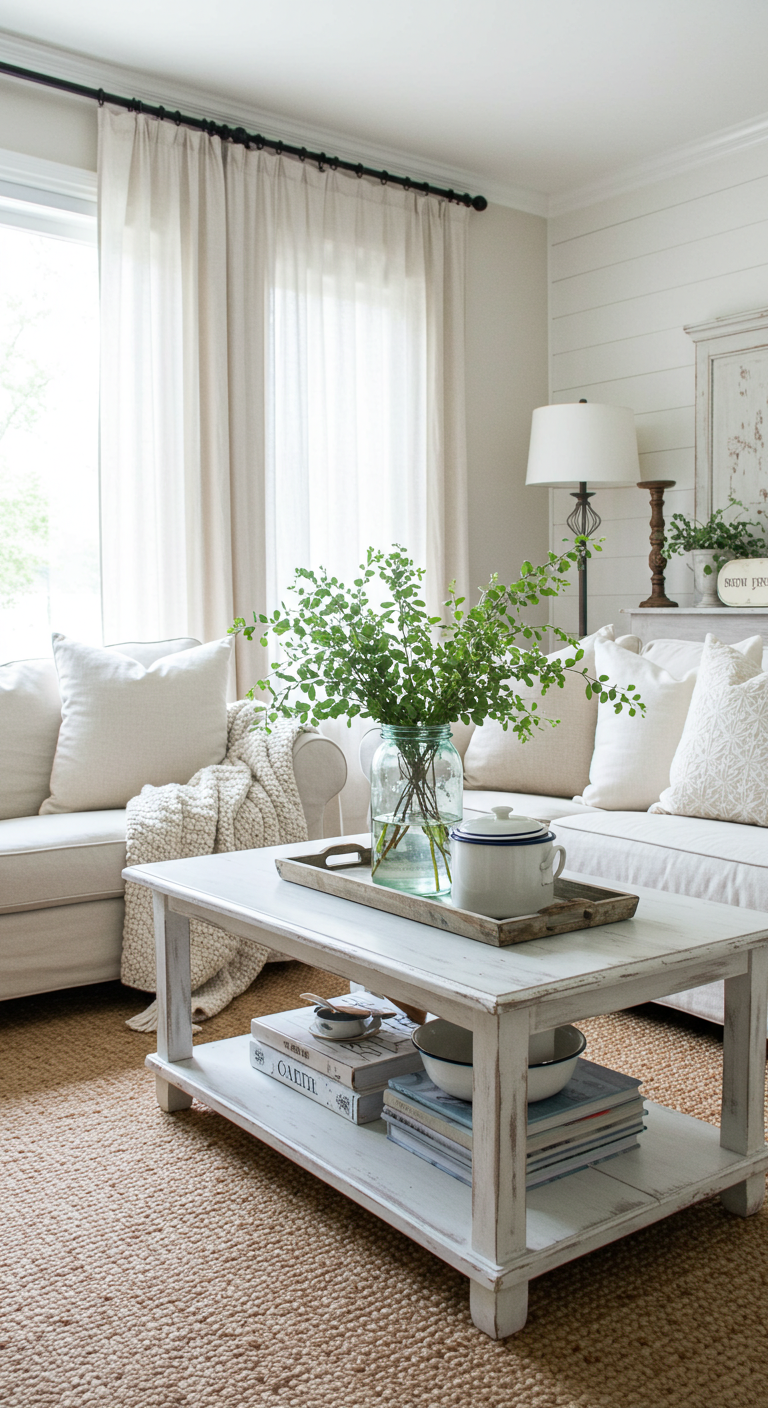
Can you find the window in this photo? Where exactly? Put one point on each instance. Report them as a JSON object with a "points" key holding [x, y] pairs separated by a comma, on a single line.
{"points": [[49, 368]]}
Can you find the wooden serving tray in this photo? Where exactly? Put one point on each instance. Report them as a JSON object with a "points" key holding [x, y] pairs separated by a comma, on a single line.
{"points": [[576, 906]]}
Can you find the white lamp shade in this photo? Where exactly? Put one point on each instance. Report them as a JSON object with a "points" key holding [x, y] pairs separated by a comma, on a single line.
{"points": [[583, 441]]}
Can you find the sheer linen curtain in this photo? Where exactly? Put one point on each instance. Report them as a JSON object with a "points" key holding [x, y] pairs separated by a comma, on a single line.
{"points": [[282, 383]]}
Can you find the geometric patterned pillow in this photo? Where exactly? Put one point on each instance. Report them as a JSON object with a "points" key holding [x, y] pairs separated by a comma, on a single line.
{"points": [[720, 768]]}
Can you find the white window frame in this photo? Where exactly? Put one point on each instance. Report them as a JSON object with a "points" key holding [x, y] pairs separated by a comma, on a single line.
{"points": [[48, 197]]}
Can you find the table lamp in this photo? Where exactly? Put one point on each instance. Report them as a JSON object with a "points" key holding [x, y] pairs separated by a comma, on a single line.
{"points": [[581, 442]]}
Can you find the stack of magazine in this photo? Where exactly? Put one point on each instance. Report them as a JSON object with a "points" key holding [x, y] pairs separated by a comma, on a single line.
{"points": [[349, 1077], [597, 1115]]}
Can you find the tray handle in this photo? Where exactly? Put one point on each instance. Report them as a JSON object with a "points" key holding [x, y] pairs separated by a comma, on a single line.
{"points": [[363, 854]]}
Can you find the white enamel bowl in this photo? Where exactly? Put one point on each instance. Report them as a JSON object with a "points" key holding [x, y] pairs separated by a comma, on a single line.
{"points": [[446, 1051]]}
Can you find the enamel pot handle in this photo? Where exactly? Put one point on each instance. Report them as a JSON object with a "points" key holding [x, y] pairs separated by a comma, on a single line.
{"points": [[545, 864]]}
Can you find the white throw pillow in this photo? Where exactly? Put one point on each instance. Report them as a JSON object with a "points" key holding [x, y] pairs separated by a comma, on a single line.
{"points": [[682, 656], [554, 761], [30, 714], [123, 725], [720, 769], [633, 756]]}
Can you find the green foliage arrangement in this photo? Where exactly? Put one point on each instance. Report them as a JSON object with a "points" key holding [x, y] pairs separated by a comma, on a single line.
{"points": [[735, 539], [396, 664]]}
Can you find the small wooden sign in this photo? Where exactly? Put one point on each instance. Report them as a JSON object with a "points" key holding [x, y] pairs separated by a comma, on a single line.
{"points": [[744, 582]]}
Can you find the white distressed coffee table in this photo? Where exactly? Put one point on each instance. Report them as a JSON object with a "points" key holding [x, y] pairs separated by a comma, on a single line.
{"points": [[492, 1233]]}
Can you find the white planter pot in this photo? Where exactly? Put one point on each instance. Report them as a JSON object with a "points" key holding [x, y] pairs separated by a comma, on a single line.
{"points": [[504, 866], [705, 583]]}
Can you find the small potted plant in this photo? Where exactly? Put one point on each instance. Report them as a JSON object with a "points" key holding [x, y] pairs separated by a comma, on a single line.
{"points": [[713, 543], [415, 675]]}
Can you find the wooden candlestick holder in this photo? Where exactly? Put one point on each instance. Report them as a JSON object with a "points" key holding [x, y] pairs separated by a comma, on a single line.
{"points": [[656, 561]]}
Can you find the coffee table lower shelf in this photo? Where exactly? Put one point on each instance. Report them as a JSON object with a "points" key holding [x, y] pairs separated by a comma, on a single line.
{"points": [[680, 1161]]}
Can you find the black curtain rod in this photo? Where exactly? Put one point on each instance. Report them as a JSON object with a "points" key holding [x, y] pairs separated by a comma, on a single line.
{"points": [[243, 138]]}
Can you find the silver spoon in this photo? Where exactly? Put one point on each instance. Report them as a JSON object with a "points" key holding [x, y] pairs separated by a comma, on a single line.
{"points": [[347, 1011]]}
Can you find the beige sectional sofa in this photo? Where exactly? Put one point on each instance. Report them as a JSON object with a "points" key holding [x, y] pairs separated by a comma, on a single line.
{"points": [[61, 886]]}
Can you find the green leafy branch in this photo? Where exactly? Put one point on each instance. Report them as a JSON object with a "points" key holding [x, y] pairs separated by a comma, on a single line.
{"points": [[395, 664]]}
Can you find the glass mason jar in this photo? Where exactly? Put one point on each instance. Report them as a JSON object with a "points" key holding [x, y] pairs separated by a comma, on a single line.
{"points": [[417, 783]]}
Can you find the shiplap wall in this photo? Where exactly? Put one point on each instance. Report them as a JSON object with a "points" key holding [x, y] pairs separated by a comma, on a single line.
{"points": [[625, 275]]}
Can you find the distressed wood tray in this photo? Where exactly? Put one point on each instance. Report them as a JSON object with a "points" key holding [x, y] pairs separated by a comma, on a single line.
{"points": [[577, 905]]}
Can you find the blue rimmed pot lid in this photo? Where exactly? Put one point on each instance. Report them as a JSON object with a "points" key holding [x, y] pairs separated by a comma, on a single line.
{"points": [[501, 827]]}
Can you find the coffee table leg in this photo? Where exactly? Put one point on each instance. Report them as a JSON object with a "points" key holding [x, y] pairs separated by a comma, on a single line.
{"points": [[742, 1126], [174, 998], [499, 1137]]}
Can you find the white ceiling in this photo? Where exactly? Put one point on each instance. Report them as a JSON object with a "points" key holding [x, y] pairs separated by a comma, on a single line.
{"points": [[548, 95]]}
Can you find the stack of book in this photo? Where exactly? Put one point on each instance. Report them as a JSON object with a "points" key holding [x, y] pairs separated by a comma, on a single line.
{"points": [[349, 1077], [597, 1115]]}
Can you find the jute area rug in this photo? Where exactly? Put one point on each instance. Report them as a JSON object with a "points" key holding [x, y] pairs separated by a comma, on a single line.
{"points": [[157, 1260]]}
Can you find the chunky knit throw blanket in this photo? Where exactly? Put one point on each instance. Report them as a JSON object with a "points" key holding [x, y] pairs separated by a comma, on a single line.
{"points": [[250, 799]]}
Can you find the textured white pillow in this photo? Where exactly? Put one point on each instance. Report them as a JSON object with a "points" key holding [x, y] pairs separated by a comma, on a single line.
{"points": [[554, 761], [633, 756], [123, 725], [720, 769]]}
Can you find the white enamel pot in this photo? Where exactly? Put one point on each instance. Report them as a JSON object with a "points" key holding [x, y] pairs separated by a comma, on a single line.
{"points": [[504, 865]]}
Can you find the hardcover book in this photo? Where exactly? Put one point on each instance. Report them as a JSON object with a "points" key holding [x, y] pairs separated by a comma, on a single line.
{"points": [[358, 1108], [360, 1065]]}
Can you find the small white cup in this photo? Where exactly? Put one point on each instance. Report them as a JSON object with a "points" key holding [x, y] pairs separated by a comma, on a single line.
{"points": [[336, 1024]]}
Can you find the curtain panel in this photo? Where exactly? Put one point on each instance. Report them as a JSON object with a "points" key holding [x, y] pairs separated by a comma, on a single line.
{"points": [[282, 379]]}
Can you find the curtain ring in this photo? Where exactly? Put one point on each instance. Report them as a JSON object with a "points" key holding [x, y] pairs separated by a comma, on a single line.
{"points": [[259, 140], [161, 113], [177, 118], [321, 160], [100, 97], [278, 149], [359, 170], [303, 154], [384, 177]]}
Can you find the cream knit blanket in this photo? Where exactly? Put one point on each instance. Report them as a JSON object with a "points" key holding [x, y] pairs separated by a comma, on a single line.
{"points": [[250, 799]]}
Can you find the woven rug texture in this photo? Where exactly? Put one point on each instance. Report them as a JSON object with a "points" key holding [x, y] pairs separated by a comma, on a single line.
{"points": [[151, 1260]]}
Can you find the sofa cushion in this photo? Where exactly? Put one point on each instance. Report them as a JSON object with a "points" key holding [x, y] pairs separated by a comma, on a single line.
{"points": [[633, 755], [721, 765], [633, 752], [553, 761], [682, 656], [711, 860], [30, 717], [30, 714], [123, 725], [524, 804], [53, 860]]}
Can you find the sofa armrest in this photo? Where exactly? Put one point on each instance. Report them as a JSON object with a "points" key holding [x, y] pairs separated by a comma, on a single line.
{"points": [[321, 771]]}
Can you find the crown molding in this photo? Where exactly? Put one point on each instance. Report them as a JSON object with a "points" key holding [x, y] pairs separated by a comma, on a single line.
{"points": [[99, 73], [674, 162]]}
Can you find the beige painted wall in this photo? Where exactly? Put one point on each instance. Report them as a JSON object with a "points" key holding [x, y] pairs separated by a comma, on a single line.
{"points": [[506, 380], [41, 122]]}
